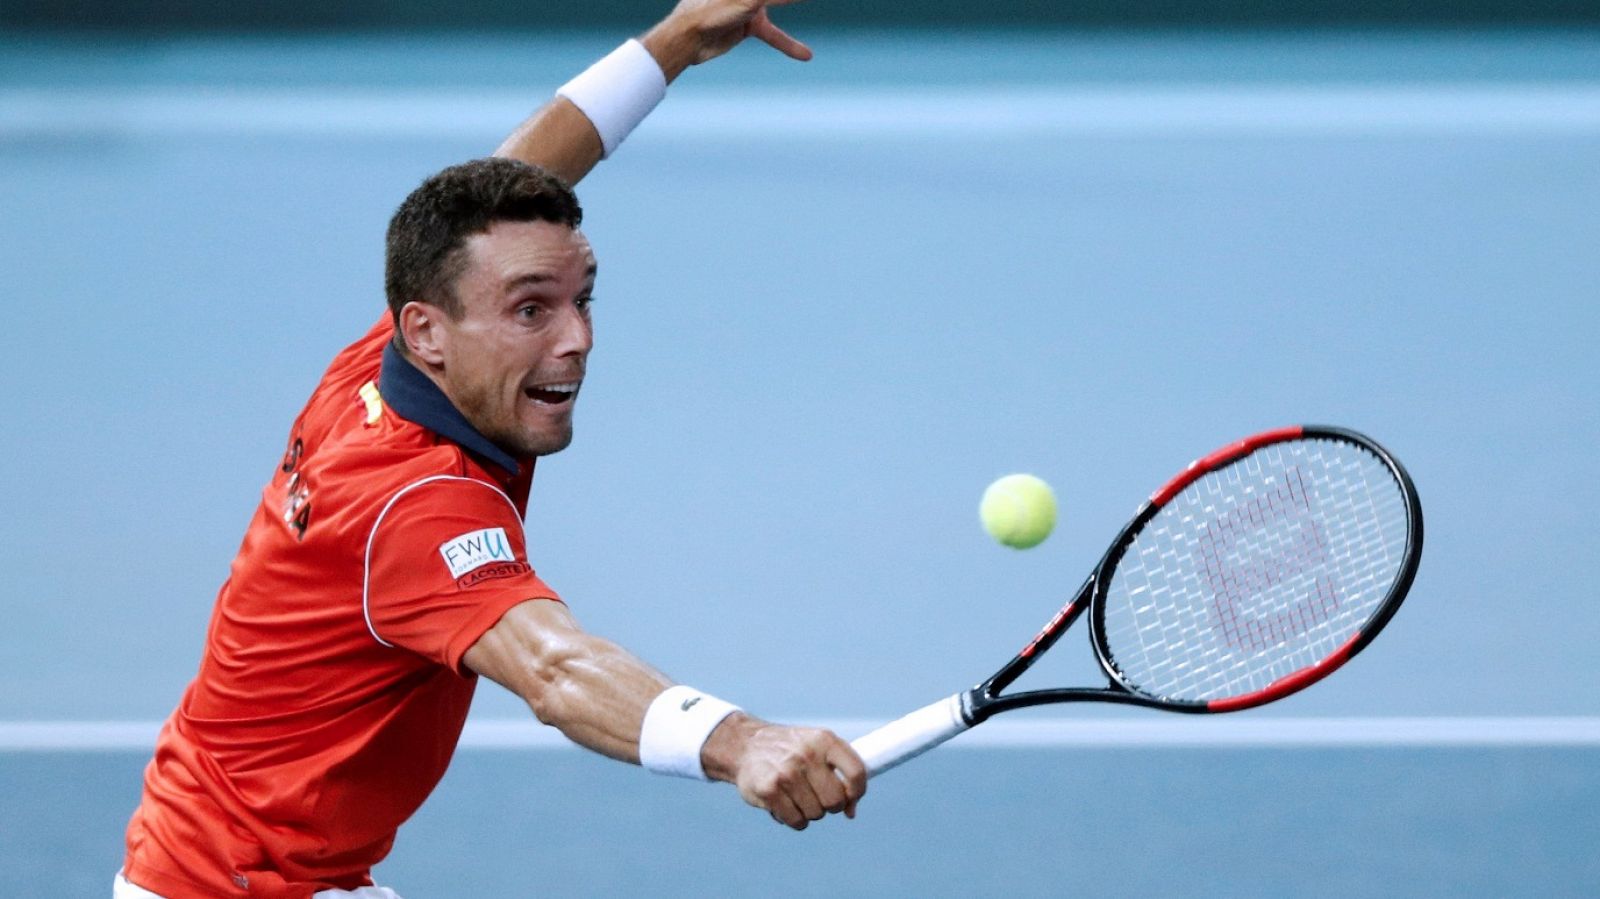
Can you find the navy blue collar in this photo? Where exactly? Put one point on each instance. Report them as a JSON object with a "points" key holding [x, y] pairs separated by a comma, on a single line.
{"points": [[414, 397]]}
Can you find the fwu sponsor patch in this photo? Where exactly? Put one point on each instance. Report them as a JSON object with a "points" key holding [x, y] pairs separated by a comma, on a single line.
{"points": [[490, 572], [476, 549]]}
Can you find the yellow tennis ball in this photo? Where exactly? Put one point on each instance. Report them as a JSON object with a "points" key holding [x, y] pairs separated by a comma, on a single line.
{"points": [[1018, 510]]}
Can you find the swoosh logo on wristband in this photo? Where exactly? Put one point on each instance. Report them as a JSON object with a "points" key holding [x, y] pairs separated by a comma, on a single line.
{"points": [[689, 703]]}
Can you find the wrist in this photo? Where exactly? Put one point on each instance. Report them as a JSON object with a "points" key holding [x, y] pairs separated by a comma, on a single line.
{"points": [[678, 724], [725, 747], [617, 92], [674, 45]]}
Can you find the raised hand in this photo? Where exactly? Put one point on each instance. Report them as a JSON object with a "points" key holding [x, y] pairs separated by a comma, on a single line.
{"points": [[700, 30]]}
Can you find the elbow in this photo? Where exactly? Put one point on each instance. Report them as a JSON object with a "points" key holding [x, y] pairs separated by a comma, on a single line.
{"points": [[549, 685]]}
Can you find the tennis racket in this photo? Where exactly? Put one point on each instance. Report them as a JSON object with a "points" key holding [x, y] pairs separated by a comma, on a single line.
{"points": [[1253, 574]]}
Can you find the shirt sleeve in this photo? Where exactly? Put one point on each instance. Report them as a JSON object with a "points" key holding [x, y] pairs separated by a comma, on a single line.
{"points": [[446, 559]]}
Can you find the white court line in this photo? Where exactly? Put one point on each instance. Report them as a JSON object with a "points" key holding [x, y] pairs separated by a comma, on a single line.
{"points": [[1031, 733], [825, 114]]}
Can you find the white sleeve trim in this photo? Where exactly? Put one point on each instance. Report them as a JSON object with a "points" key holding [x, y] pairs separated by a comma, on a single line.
{"points": [[366, 568]]}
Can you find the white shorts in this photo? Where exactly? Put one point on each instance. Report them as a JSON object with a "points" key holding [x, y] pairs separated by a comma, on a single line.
{"points": [[122, 889]]}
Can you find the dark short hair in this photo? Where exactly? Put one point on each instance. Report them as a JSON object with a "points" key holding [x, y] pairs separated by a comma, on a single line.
{"points": [[426, 246]]}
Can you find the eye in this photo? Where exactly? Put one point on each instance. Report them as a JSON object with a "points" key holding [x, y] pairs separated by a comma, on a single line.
{"points": [[584, 303], [528, 310]]}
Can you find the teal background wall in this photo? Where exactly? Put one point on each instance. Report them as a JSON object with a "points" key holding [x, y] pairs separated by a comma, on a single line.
{"points": [[303, 15]]}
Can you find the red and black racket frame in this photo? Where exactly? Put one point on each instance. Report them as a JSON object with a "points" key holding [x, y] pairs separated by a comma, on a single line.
{"points": [[984, 700]]}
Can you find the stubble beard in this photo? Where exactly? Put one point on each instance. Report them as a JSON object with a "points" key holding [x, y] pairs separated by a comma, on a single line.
{"points": [[505, 429], [542, 445]]}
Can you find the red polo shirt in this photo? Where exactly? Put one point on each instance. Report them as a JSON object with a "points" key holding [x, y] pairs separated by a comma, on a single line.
{"points": [[331, 693]]}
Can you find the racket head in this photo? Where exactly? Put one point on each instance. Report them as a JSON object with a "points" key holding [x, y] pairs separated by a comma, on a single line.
{"points": [[1257, 571]]}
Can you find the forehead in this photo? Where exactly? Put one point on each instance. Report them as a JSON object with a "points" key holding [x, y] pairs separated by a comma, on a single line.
{"points": [[511, 250]]}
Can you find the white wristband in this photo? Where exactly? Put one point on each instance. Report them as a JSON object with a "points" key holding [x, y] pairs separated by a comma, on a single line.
{"points": [[675, 727], [617, 92]]}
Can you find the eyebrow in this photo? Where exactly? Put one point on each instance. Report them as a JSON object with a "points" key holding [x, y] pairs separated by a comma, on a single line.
{"points": [[545, 277]]}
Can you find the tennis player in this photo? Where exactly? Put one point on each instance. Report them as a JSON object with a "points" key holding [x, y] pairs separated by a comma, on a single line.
{"points": [[385, 568]]}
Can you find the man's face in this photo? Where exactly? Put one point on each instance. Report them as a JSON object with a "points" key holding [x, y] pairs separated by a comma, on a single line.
{"points": [[513, 361]]}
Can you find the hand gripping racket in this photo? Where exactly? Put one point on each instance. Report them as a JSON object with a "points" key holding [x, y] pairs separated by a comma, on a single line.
{"points": [[1255, 573]]}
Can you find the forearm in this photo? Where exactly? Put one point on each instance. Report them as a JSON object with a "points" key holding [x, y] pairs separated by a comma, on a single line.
{"points": [[558, 138], [597, 693], [592, 690]]}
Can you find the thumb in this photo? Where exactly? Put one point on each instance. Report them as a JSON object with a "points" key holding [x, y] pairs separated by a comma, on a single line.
{"points": [[762, 29]]}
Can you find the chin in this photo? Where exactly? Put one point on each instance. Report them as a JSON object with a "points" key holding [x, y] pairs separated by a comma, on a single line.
{"points": [[544, 444]]}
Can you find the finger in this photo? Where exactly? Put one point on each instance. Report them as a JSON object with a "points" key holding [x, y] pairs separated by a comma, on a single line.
{"points": [[829, 790], [805, 798], [851, 772], [784, 811], [762, 28]]}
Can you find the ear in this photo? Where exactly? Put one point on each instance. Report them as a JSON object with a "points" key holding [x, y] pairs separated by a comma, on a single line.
{"points": [[422, 329]]}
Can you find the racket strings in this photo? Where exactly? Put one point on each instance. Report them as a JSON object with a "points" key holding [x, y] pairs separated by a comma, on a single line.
{"points": [[1255, 571]]}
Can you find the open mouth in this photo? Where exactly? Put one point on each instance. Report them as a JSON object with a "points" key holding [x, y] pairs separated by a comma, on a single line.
{"points": [[552, 394]]}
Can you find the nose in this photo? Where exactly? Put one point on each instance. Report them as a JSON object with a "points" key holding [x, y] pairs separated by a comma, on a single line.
{"points": [[576, 335]]}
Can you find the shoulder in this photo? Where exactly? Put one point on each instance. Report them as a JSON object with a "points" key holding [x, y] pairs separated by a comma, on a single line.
{"points": [[367, 469], [369, 479], [448, 495]]}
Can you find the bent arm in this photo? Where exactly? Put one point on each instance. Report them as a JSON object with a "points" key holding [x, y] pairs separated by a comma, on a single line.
{"points": [[562, 140]]}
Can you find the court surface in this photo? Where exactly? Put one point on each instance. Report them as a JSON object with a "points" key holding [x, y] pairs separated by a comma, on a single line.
{"points": [[835, 301]]}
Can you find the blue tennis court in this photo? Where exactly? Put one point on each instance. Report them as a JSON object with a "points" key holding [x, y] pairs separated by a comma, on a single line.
{"points": [[835, 301]]}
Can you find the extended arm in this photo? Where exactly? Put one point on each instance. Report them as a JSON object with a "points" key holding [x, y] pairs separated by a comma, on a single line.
{"points": [[596, 693], [561, 139]]}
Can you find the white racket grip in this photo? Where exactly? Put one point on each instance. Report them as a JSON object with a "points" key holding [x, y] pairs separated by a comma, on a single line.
{"points": [[906, 738]]}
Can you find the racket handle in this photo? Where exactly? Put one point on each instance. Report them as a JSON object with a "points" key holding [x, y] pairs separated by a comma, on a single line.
{"points": [[906, 738]]}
